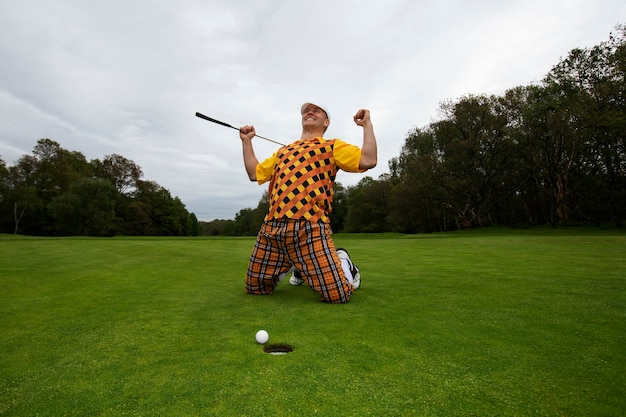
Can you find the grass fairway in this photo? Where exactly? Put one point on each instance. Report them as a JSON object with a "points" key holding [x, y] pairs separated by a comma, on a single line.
{"points": [[479, 323]]}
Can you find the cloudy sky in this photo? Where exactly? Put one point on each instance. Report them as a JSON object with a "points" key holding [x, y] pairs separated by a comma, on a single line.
{"points": [[126, 77]]}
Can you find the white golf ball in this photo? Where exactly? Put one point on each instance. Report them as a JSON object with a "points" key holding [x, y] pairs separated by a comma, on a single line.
{"points": [[262, 337]]}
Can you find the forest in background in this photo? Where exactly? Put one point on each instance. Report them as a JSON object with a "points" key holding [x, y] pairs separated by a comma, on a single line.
{"points": [[547, 154], [56, 192], [551, 153]]}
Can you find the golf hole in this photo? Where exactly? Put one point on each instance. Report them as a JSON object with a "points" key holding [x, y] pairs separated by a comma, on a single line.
{"points": [[278, 349]]}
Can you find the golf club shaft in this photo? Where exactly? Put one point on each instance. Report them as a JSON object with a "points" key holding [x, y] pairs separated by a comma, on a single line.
{"points": [[210, 119]]}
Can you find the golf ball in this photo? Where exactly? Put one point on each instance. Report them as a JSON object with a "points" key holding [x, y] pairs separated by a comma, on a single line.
{"points": [[262, 337]]}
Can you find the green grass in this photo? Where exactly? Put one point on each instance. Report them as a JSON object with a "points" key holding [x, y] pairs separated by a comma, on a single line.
{"points": [[480, 323]]}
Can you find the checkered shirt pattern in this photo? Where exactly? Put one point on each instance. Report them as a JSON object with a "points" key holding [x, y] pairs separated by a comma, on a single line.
{"points": [[302, 176]]}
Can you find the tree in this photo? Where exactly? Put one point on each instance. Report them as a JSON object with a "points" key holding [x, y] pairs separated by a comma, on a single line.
{"points": [[4, 180], [415, 201], [37, 179], [168, 215], [55, 191], [86, 209], [476, 152], [135, 219], [367, 207], [217, 227], [260, 212], [246, 222], [123, 173], [57, 168], [582, 114], [339, 207]]}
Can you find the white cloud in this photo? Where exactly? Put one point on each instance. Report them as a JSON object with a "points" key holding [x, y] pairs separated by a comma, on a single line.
{"points": [[127, 77]]}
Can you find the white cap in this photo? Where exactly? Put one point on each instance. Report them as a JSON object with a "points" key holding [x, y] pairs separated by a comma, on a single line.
{"points": [[321, 106]]}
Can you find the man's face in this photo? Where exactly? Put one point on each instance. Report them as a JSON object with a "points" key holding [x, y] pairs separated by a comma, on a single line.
{"points": [[314, 117]]}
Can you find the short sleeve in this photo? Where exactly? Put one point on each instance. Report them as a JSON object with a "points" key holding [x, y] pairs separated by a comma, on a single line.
{"points": [[265, 169], [347, 156]]}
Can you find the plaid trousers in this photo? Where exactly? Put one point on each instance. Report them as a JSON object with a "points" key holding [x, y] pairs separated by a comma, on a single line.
{"points": [[283, 243]]}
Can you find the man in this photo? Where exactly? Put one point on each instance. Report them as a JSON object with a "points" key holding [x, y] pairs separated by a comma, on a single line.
{"points": [[296, 233]]}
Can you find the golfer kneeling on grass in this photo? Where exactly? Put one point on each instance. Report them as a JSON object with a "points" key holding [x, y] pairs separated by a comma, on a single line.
{"points": [[296, 233]]}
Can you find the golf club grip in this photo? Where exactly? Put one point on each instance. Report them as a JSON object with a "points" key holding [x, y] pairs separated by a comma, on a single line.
{"points": [[210, 119]]}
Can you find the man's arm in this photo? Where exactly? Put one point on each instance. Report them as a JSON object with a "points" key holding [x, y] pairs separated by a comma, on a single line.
{"points": [[369, 150], [250, 161]]}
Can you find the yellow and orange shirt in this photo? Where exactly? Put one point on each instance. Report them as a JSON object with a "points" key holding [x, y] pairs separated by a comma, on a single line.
{"points": [[302, 176]]}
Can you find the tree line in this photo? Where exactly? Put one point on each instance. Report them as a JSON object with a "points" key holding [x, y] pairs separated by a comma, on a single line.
{"points": [[56, 192], [551, 153], [546, 154]]}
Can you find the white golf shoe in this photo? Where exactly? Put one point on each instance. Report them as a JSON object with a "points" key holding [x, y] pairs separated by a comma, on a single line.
{"points": [[296, 278], [354, 270]]}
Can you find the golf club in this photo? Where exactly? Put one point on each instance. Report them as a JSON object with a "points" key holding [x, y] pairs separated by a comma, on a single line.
{"points": [[210, 119]]}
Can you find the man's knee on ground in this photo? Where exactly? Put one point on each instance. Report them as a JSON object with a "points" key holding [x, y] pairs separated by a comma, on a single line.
{"points": [[337, 298]]}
